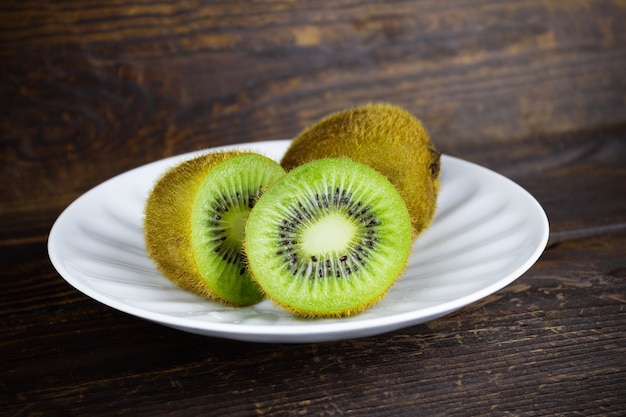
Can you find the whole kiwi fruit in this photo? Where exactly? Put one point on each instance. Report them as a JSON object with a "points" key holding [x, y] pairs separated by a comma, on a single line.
{"points": [[386, 138], [328, 239], [194, 220]]}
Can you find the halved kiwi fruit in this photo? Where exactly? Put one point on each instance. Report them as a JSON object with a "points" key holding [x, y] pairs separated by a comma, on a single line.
{"points": [[194, 223], [386, 138], [328, 239]]}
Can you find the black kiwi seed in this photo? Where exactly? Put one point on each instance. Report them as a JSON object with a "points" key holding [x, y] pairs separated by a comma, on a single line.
{"points": [[302, 214], [221, 205]]}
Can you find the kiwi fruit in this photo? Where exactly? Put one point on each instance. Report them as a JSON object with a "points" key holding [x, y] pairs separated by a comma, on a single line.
{"points": [[386, 138], [194, 222], [328, 239]]}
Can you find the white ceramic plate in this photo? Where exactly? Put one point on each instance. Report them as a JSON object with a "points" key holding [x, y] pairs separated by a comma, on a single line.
{"points": [[486, 233]]}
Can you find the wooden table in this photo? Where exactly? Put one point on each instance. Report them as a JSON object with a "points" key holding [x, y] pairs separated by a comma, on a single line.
{"points": [[535, 90]]}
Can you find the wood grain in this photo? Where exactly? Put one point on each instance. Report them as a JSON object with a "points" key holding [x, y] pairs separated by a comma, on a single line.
{"points": [[94, 82], [533, 89], [549, 340]]}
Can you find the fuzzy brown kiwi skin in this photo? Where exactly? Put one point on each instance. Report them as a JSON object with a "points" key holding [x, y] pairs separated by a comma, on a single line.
{"points": [[388, 139], [167, 221]]}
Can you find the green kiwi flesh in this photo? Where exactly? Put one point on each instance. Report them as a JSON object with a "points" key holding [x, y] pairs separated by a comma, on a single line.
{"points": [[386, 138], [222, 205], [328, 239], [185, 239]]}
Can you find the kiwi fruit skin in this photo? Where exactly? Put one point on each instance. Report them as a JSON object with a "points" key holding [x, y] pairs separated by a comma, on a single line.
{"points": [[385, 137], [168, 229], [328, 282]]}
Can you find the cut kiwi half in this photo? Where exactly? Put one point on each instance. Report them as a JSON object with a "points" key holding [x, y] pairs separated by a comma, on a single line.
{"points": [[195, 218], [386, 138], [328, 239]]}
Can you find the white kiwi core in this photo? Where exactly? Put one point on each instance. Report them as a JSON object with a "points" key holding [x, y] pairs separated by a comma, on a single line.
{"points": [[330, 234]]}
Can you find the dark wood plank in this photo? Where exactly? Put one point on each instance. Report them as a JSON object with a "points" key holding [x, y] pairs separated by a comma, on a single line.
{"points": [[88, 84], [554, 338]]}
